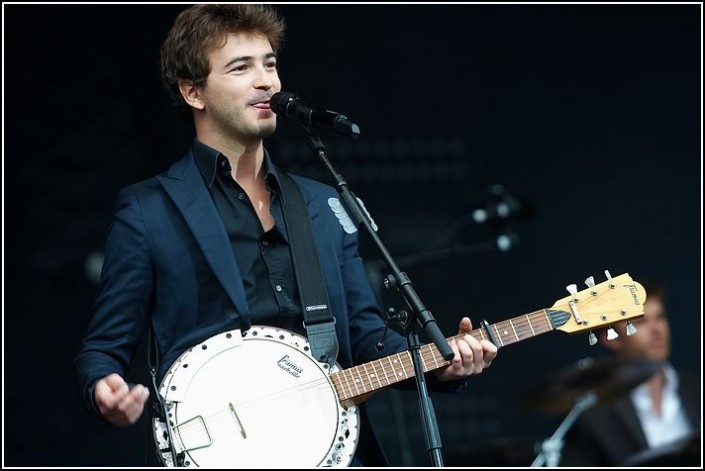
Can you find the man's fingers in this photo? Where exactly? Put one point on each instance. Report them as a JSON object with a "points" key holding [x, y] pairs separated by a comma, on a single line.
{"points": [[140, 393], [490, 352], [465, 325], [115, 382], [109, 391], [129, 408], [119, 403]]}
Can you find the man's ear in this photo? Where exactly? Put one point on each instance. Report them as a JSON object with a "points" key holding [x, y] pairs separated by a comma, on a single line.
{"points": [[192, 94]]}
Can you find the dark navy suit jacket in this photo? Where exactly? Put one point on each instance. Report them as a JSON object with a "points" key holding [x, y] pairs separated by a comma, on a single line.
{"points": [[167, 242]]}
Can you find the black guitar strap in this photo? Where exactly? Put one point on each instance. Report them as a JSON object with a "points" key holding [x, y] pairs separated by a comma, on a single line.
{"points": [[318, 318]]}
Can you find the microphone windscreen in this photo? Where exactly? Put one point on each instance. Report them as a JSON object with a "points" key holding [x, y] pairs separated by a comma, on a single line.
{"points": [[280, 102]]}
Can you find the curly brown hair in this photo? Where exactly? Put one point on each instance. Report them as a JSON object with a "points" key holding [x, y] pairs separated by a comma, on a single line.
{"points": [[184, 53]]}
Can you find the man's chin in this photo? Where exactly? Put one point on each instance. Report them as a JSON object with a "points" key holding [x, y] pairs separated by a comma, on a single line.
{"points": [[267, 129], [659, 355]]}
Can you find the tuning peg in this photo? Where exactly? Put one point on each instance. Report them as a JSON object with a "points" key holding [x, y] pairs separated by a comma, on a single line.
{"points": [[590, 281], [572, 288], [612, 334], [607, 274], [592, 338], [631, 330]]}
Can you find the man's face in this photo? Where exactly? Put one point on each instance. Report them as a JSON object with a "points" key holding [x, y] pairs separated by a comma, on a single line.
{"points": [[242, 79], [652, 338]]}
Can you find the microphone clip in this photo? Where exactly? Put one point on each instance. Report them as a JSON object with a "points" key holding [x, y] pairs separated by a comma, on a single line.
{"points": [[402, 317]]}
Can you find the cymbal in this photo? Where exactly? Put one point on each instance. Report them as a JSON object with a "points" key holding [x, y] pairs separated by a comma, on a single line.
{"points": [[607, 377]]}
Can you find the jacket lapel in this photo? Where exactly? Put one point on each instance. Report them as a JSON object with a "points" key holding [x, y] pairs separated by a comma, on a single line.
{"points": [[184, 184], [688, 390], [624, 409]]}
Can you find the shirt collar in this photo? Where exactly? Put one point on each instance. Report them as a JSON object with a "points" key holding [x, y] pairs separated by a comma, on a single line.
{"points": [[640, 394], [209, 161]]}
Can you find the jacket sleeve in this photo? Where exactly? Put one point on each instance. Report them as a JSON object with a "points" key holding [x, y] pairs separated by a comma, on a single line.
{"points": [[120, 310]]}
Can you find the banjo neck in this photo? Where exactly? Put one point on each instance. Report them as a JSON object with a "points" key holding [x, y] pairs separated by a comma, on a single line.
{"points": [[614, 300], [357, 383]]}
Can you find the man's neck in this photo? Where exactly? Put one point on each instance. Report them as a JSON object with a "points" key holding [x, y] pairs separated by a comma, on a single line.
{"points": [[246, 159], [656, 385]]}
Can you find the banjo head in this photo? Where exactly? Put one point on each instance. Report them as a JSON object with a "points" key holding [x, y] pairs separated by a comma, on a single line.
{"points": [[254, 399]]}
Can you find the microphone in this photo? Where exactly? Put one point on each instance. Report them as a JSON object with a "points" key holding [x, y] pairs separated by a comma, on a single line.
{"points": [[289, 105]]}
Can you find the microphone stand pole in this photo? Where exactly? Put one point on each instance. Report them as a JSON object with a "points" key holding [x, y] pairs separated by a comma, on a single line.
{"points": [[552, 447], [402, 283]]}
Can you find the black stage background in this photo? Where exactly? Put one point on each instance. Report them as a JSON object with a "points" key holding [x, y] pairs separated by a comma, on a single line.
{"points": [[588, 115]]}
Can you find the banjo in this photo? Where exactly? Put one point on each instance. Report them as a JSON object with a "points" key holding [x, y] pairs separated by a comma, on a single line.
{"points": [[257, 398]]}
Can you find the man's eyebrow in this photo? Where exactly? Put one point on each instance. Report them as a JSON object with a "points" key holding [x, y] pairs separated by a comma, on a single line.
{"points": [[269, 55]]}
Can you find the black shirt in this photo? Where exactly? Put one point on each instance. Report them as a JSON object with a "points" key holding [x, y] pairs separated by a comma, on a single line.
{"points": [[263, 258]]}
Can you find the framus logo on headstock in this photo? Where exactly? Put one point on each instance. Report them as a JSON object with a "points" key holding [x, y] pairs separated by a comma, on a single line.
{"points": [[633, 291]]}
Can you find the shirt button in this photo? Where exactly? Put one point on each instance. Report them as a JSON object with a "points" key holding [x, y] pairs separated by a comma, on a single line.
{"points": [[265, 243], [278, 288], [241, 196]]}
